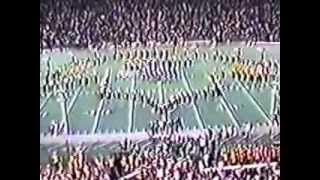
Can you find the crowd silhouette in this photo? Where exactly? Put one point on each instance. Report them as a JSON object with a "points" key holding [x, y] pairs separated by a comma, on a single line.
{"points": [[95, 23]]}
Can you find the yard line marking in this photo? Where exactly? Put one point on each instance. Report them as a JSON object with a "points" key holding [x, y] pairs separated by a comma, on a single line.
{"points": [[74, 99], [43, 115], [136, 136], [161, 92], [194, 106], [96, 122], [183, 126], [162, 99], [45, 101], [254, 101], [230, 110], [64, 113], [131, 105], [273, 100], [97, 116], [226, 104]]}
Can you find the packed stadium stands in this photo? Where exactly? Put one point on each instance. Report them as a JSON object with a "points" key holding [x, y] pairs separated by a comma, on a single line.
{"points": [[173, 99], [83, 23]]}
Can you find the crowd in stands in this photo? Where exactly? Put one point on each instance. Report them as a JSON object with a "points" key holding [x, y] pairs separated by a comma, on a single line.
{"points": [[177, 157], [250, 155], [172, 156], [95, 23]]}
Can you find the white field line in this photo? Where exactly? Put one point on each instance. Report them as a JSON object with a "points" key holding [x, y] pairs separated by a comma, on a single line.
{"points": [[230, 111], [254, 101], [74, 99], [160, 92], [45, 101], [109, 138], [64, 113], [194, 106], [162, 99], [182, 123], [228, 107], [273, 101], [101, 104], [131, 106], [97, 116]]}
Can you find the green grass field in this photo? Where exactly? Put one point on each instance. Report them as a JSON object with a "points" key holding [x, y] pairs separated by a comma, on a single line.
{"points": [[211, 111]]}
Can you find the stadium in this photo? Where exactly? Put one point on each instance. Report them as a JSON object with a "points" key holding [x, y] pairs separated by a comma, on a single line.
{"points": [[147, 109]]}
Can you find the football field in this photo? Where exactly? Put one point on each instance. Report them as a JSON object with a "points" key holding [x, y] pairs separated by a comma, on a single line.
{"points": [[211, 112], [241, 101]]}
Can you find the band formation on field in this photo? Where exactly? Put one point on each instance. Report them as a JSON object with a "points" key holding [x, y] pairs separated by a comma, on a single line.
{"points": [[124, 91]]}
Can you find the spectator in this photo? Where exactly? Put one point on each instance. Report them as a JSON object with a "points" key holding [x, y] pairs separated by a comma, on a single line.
{"points": [[84, 24]]}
